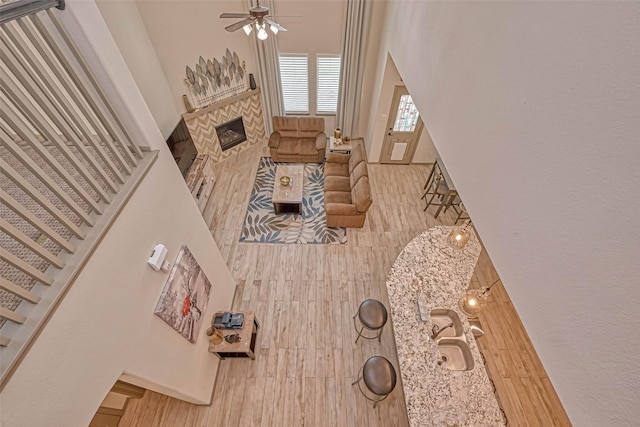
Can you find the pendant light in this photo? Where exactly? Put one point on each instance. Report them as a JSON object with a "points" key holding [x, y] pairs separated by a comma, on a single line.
{"points": [[459, 236], [474, 300]]}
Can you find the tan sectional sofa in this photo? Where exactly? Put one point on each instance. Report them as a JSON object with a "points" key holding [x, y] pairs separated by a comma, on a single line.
{"points": [[347, 192], [298, 139]]}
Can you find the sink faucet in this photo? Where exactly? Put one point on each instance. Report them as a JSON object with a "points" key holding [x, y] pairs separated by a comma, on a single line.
{"points": [[476, 331], [436, 330]]}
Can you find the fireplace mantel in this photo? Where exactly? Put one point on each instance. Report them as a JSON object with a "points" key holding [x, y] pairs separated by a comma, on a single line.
{"points": [[202, 123], [221, 104]]}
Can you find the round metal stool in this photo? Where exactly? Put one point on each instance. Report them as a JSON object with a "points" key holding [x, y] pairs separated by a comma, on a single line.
{"points": [[379, 377], [372, 316]]}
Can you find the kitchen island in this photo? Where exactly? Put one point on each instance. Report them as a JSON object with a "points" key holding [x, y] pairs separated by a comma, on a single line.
{"points": [[428, 268]]}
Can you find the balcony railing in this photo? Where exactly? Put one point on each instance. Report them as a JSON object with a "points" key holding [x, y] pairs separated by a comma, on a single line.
{"points": [[67, 167]]}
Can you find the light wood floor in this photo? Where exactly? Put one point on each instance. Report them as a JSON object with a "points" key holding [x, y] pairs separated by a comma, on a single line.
{"points": [[523, 387], [304, 297]]}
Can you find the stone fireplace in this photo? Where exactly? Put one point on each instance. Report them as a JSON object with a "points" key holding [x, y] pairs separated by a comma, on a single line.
{"points": [[203, 125]]}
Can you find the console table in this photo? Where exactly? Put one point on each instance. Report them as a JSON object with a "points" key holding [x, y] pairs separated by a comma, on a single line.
{"points": [[201, 179], [247, 344]]}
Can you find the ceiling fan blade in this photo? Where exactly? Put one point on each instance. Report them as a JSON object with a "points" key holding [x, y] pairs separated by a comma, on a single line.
{"points": [[278, 26], [234, 27], [235, 15]]}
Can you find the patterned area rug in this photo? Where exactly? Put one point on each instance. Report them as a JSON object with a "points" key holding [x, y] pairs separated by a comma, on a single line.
{"points": [[262, 225]]}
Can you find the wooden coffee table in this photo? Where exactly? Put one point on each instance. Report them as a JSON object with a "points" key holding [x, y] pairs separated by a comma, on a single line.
{"points": [[288, 198]]}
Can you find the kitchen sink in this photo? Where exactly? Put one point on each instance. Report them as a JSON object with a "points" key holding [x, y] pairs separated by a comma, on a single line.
{"points": [[456, 355], [441, 317]]}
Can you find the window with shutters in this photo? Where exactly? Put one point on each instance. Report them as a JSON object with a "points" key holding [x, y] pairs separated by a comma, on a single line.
{"points": [[328, 83], [294, 75]]}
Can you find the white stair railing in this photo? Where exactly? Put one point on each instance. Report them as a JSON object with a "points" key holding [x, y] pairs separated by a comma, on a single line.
{"points": [[67, 167]]}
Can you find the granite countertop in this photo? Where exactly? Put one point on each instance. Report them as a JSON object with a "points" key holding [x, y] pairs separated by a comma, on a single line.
{"points": [[436, 396]]}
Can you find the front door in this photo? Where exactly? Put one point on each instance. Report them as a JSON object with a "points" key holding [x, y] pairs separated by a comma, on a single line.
{"points": [[404, 128]]}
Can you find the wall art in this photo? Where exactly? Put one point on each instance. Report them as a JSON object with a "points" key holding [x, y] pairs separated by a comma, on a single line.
{"points": [[213, 80], [185, 295]]}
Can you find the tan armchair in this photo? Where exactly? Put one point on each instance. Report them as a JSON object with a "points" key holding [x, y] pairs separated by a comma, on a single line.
{"points": [[298, 139], [347, 192]]}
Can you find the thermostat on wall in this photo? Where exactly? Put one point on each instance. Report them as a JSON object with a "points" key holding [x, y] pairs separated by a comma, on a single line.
{"points": [[157, 257]]}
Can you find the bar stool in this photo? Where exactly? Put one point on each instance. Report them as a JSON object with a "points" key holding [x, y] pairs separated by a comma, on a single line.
{"points": [[460, 210], [434, 169], [437, 194], [379, 377], [372, 315]]}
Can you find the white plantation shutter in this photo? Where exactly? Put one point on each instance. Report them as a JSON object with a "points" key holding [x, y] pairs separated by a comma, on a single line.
{"points": [[294, 75], [328, 84]]}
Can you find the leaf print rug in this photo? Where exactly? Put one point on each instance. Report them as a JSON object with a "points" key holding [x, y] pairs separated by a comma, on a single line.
{"points": [[262, 225]]}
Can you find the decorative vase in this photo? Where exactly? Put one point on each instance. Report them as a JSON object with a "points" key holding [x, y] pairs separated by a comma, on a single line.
{"points": [[337, 134], [215, 336], [252, 82], [187, 104]]}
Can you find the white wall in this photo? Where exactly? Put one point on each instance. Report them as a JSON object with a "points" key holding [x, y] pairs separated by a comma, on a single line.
{"points": [[182, 31], [534, 108], [390, 79], [130, 34], [372, 55], [105, 325], [425, 150]]}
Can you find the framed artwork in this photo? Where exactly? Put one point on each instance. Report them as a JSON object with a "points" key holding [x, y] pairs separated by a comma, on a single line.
{"points": [[185, 296]]}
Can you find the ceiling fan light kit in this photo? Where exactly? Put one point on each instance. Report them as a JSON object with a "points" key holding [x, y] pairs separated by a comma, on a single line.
{"points": [[257, 16], [262, 33]]}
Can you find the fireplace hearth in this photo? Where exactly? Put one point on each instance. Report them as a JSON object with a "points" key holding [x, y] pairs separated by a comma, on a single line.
{"points": [[231, 133]]}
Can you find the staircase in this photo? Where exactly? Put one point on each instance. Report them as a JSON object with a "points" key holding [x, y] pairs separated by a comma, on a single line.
{"points": [[67, 168]]}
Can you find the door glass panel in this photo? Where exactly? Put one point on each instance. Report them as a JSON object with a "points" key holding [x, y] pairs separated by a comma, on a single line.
{"points": [[407, 115]]}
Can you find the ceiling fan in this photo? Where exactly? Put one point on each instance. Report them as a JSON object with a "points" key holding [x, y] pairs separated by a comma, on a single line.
{"points": [[258, 16]]}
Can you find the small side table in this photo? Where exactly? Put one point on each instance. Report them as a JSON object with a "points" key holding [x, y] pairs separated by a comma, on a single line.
{"points": [[344, 148], [247, 344]]}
